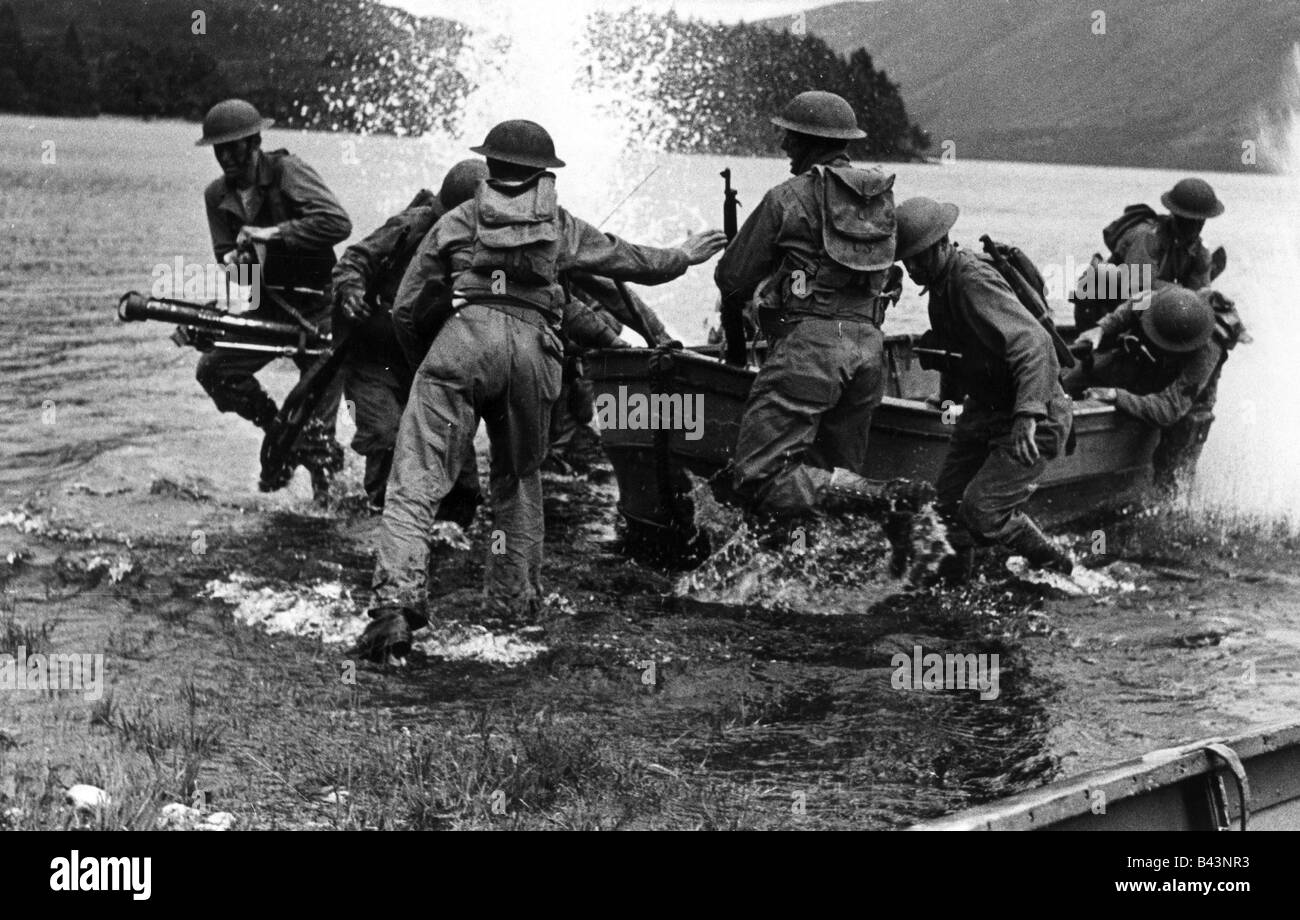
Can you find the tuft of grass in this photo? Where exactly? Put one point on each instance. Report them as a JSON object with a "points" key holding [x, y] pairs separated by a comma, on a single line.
{"points": [[33, 637], [155, 731]]}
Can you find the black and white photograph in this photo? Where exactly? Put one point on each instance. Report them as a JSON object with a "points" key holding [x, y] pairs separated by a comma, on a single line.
{"points": [[765, 415]]}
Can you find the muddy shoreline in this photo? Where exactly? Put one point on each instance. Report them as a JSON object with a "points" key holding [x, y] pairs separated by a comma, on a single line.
{"points": [[642, 706]]}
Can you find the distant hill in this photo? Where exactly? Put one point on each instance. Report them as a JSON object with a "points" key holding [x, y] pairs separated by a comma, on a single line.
{"points": [[1172, 83]]}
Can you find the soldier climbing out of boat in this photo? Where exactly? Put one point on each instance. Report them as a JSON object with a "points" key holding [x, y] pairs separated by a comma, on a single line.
{"points": [[491, 268], [826, 238], [275, 202], [1153, 250], [1002, 366], [1158, 358], [377, 377]]}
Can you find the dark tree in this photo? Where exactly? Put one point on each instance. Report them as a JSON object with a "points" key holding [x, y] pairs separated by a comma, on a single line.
{"points": [[15, 64], [697, 87]]}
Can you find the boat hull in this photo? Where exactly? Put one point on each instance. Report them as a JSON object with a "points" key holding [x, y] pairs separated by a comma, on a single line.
{"points": [[1111, 461], [1192, 787]]}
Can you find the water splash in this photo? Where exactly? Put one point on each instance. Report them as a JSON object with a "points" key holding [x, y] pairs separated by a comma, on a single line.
{"points": [[326, 611], [832, 566], [529, 61], [1250, 459]]}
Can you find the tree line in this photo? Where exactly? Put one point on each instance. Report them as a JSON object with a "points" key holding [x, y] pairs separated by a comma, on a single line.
{"points": [[358, 66], [708, 88]]}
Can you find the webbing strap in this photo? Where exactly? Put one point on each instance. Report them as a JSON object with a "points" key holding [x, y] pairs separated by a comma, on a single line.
{"points": [[1229, 757]]}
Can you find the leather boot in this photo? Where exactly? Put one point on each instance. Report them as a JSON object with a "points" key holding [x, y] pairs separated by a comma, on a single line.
{"points": [[957, 568], [388, 633], [850, 492], [1040, 552]]}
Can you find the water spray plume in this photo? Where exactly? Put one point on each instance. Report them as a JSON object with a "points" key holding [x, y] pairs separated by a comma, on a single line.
{"points": [[1250, 461]]}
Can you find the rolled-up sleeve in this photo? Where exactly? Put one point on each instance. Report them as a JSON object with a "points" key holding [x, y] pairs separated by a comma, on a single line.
{"points": [[323, 222]]}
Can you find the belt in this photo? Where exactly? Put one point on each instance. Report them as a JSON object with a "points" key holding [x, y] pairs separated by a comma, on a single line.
{"points": [[534, 316], [875, 314]]}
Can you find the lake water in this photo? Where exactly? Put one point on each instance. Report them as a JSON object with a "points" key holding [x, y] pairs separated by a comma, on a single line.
{"points": [[89, 208]]}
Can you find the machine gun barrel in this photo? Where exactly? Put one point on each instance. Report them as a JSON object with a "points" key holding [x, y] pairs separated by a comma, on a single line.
{"points": [[200, 323], [135, 307]]}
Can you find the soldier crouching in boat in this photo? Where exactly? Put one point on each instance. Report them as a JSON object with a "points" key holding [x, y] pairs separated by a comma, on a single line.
{"points": [[828, 237], [1158, 359], [273, 200], [1015, 417], [377, 374]]}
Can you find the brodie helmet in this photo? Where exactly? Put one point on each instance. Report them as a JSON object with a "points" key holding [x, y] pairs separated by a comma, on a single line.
{"points": [[231, 120], [820, 114]]}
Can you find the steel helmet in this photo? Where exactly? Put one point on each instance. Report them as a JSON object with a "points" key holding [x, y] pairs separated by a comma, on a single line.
{"points": [[519, 141], [1194, 199], [1177, 320], [922, 222], [820, 114], [461, 181], [231, 120]]}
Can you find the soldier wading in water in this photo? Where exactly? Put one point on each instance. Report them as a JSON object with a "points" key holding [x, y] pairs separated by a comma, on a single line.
{"points": [[276, 201], [497, 261], [826, 239], [1015, 417]]}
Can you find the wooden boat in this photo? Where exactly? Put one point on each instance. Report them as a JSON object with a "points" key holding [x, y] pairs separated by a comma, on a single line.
{"points": [[1111, 461], [1246, 782]]}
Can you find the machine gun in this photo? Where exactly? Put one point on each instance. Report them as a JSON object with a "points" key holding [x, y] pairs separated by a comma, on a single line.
{"points": [[205, 327], [733, 307]]}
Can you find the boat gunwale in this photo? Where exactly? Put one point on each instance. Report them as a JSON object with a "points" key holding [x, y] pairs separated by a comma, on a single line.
{"points": [[1073, 797], [702, 360]]}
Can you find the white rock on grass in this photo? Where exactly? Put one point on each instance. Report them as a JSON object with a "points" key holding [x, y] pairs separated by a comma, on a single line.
{"points": [[87, 799], [217, 821], [176, 816]]}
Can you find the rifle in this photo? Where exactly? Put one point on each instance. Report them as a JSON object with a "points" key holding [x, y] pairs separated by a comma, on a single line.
{"points": [[733, 307], [1031, 297]]}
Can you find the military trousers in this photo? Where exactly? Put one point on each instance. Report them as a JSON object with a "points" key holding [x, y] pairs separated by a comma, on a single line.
{"points": [[375, 398], [981, 486], [809, 412], [501, 368], [228, 377]]}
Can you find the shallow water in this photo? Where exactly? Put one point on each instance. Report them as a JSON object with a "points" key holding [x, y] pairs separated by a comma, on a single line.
{"points": [[122, 197], [108, 419]]}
